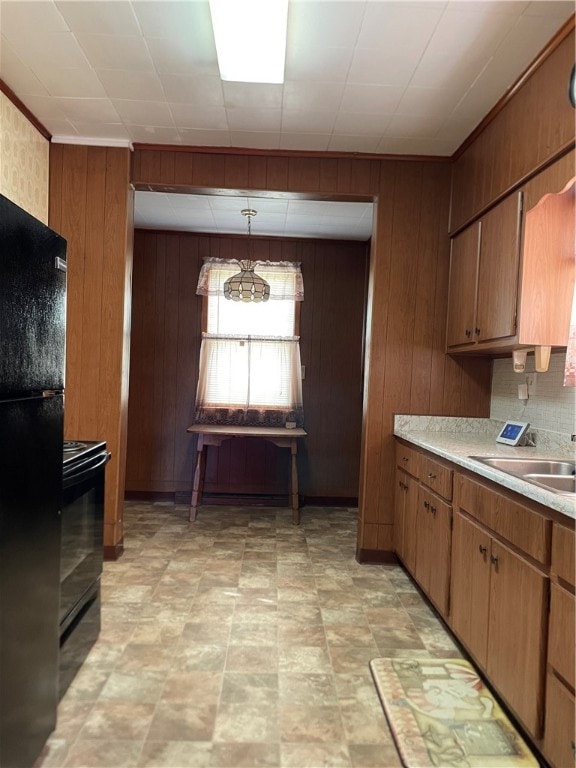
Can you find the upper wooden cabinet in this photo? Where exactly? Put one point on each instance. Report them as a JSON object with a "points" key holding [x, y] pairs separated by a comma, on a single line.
{"points": [[548, 270], [483, 289]]}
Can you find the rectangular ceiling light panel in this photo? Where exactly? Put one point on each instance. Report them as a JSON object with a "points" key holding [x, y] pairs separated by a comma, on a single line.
{"points": [[250, 38]]}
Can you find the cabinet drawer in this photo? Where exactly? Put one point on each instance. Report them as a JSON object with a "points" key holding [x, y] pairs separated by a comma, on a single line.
{"points": [[436, 476], [559, 734], [563, 543], [521, 526], [475, 499], [561, 633], [407, 459]]}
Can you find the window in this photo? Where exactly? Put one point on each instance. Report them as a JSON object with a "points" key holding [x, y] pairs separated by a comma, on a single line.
{"points": [[249, 372]]}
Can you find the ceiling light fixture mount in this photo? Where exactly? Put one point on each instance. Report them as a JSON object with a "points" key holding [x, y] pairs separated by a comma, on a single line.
{"points": [[246, 285]]}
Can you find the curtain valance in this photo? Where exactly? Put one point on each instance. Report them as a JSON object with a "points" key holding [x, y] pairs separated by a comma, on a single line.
{"points": [[284, 277]]}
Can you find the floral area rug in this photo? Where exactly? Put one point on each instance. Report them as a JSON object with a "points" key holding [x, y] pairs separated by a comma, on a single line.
{"points": [[441, 714]]}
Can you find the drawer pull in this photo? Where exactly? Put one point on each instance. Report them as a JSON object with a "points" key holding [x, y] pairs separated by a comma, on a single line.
{"points": [[433, 510], [404, 458], [482, 549], [468, 333], [573, 745], [426, 504], [494, 559], [431, 476]]}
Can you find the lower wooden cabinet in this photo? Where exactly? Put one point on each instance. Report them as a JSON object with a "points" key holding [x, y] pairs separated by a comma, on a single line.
{"points": [[500, 570], [434, 528], [559, 738]]}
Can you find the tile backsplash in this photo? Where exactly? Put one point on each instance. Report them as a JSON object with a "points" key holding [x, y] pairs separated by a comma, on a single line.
{"points": [[552, 407]]}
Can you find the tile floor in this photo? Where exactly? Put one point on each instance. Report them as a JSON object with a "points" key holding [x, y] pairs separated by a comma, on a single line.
{"points": [[241, 641]]}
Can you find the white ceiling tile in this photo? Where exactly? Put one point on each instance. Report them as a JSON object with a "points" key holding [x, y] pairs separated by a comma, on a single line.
{"points": [[310, 142], [45, 107], [414, 126], [254, 119], [100, 18], [58, 50], [382, 66], [312, 96], [353, 123], [188, 89], [102, 131], [177, 56], [198, 203], [71, 82], [317, 63], [193, 138], [354, 143], [144, 112], [429, 101], [256, 139], [164, 18], [399, 25], [131, 85], [339, 22], [252, 95], [371, 98], [199, 118], [96, 110], [21, 78], [410, 146], [562, 9], [229, 203], [116, 52], [60, 127], [269, 205], [307, 122], [17, 16], [152, 134]]}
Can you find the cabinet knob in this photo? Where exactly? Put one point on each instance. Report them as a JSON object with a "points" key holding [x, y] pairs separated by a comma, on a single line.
{"points": [[431, 476], [482, 549], [477, 331], [573, 745], [468, 333], [494, 559], [426, 504], [433, 510], [404, 458]]}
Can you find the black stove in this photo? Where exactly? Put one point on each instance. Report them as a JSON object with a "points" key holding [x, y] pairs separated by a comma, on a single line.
{"points": [[77, 450]]}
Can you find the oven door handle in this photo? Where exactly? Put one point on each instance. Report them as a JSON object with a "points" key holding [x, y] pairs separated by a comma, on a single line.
{"points": [[85, 468]]}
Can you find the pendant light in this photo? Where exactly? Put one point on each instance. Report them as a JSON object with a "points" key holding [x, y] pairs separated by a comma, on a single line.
{"points": [[246, 285]]}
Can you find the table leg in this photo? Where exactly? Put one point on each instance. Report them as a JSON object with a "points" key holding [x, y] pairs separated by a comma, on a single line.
{"points": [[198, 481], [294, 489]]}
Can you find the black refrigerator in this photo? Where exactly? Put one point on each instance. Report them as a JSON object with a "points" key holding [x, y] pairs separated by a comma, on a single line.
{"points": [[32, 348]]}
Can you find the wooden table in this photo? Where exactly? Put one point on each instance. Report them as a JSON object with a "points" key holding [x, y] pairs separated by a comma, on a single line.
{"points": [[215, 435]]}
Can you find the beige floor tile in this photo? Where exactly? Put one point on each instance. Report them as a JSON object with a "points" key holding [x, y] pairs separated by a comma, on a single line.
{"points": [[310, 724], [247, 722], [103, 753], [176, 754], [226, 755], [178, 721], [118, 720]]}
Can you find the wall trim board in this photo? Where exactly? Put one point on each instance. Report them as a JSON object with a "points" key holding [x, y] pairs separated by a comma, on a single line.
{"points": [[252, 238], [9, 93], [564, 150], [548, 49], [114, 551], [376, 557], [291, 153]]}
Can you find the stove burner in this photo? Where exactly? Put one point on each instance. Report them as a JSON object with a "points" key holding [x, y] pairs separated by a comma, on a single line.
{"points": [[72, 445]]}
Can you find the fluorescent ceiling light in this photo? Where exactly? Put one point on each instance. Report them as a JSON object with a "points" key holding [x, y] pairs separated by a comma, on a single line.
{"points": [[250, 39]]}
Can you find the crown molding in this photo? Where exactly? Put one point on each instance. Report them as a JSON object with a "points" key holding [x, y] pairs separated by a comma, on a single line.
{"points": [[92, 141]]}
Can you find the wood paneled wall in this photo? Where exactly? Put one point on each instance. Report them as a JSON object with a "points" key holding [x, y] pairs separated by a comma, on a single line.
{"points": [[91, 205], [166, 328], [406, 369], [530, 130]]}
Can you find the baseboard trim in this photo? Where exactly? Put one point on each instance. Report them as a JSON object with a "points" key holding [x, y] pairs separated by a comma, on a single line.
{"points": [[114, 551], [376, 557], [150, 496]]}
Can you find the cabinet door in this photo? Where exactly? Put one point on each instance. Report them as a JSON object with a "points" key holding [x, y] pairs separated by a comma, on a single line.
{"points": [[559, 737], [470, 586], [399, 506], [438, 577], [517, 634], [462, 288], [498, 271], [410, 524], [424, 541]]}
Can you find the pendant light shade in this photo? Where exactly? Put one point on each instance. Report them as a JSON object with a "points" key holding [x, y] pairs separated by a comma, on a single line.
{"points": [[246, 285]]}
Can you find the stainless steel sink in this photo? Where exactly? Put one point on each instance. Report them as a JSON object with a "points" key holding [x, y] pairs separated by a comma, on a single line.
{"points": [[556, 475], [558, 483]]}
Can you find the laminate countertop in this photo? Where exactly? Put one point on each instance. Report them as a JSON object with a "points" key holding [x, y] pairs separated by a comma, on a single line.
{"points": [[456, 439]]}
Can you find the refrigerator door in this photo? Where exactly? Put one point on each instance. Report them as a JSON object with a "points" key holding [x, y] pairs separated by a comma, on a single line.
{"points": [[30, 500], [32, 303]]}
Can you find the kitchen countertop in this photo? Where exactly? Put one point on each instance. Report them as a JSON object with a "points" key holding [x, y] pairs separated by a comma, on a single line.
{"points": [[456, 439]]}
